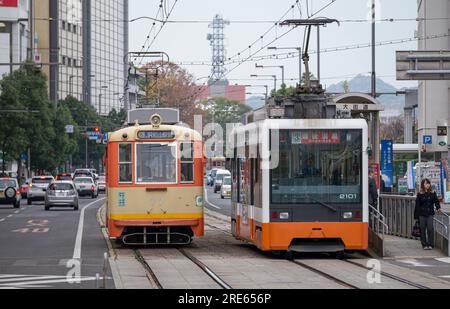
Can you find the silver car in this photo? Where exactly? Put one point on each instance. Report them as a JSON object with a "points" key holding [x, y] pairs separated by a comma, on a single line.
{"points": [[61, 194], [86, 186], [38, 187]]}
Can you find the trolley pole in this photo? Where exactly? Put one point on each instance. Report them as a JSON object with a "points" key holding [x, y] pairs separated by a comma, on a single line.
{"points": [[374, 76]]}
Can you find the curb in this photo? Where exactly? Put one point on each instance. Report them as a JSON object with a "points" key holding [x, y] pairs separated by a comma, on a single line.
{"points": [[111, 252]]}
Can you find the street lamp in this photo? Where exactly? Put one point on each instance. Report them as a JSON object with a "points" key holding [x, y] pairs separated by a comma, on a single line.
{"points": [[100, 100], [259, 86], [299, 49], [272, 66], [71, 77], [273, 76]]}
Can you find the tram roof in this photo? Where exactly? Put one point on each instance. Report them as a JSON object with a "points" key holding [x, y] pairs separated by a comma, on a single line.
{"points": [[132, 131]]}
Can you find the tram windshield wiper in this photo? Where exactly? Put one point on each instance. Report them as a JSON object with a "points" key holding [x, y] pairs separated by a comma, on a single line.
{"points": [[323, 204]]}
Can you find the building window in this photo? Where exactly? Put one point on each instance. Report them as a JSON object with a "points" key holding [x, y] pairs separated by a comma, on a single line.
{"points": [[64, 25]]}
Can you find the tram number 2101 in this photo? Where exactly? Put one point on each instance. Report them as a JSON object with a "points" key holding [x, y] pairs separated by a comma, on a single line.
{"points": [[348, 196]]}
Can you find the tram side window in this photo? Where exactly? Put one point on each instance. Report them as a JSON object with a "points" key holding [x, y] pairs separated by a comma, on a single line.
{"points": [[125, 163], [187, 162]]}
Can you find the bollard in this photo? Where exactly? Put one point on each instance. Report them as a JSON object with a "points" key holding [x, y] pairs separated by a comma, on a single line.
{"points": [[105, 268]]}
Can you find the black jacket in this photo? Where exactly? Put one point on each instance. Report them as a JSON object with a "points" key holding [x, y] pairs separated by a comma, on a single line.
{"points": [[373, 191], [425, 203]]}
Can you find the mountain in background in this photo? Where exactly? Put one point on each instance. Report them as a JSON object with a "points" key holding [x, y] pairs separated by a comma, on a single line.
{"points": [[255, 102], [393, 104]]}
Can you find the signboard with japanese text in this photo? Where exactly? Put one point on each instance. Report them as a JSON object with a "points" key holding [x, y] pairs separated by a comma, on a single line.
{"points": [[315, 138], [387, 162]]}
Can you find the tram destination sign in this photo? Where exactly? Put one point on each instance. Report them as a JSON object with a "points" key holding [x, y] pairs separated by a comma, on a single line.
{"points": [[156, 135]]}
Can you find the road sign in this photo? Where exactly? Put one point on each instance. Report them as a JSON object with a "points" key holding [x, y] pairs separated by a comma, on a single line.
{"points": [[428, 140], [423, 65], [93, 135], [23, 157], [69, 129]]}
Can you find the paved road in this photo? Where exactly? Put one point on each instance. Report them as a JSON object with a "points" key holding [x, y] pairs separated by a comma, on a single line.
{"points": [[40, 249], [215, 203], [438, 267]]}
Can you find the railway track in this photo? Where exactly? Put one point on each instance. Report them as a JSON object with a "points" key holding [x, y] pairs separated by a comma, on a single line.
{"points": [[326, 275], [390, 276], [155, 281]]}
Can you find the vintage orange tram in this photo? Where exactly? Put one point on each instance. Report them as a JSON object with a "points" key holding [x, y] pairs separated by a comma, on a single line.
{"points": [[154, 180]]}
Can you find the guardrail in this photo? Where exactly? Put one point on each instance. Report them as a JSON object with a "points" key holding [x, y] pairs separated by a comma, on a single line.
{"points": [[398, 212]]}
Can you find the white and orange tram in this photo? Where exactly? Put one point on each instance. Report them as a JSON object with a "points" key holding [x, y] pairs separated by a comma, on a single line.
{"points": [[154, 171], [301, 185]]}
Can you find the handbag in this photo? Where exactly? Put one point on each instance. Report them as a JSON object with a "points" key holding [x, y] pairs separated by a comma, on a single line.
{"points": [[416, 232]]}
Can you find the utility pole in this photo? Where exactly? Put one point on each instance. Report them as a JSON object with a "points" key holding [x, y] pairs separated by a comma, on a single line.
{"points": [[31, 26], [374, 76], [86, 159], [318, 53]]}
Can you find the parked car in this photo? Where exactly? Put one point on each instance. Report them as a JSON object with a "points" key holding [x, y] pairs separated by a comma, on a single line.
{"points": [[101, 182], [86, 186], [38, 187], [61, 194], [225, 191], [219, 178], [10, 192]]}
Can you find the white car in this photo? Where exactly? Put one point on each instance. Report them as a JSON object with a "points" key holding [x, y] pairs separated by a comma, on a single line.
{"points": [[221, 174], [86, 186], [101, 183], [38, 188], [225, 191]]}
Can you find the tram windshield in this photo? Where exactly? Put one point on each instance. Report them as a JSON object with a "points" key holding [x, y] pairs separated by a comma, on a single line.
{"points": [[318, 166], [156, 163]]}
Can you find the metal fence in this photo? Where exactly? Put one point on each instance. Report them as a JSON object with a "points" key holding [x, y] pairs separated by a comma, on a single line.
{"points": [[398, 212]]}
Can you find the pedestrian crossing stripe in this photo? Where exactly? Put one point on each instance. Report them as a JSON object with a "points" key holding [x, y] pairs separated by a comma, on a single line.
{"points": [[38, 281]]}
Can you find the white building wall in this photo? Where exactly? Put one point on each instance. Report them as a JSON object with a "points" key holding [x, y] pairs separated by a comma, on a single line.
{"points": [[433, 95], [13, 36]]}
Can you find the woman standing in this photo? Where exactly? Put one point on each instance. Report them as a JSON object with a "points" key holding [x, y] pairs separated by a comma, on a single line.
{"points": [[424, 212]]}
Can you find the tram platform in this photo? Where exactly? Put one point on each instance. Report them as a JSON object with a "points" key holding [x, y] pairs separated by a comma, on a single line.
{"points": [[402, 248]]}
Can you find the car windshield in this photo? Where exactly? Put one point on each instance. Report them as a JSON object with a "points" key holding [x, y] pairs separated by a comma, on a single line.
{"points": [[227, 181], [102, 179], [222, 176], [61, 187], [7, 183], [84, 180], [213, 173], [44, 181], [318, 166]]}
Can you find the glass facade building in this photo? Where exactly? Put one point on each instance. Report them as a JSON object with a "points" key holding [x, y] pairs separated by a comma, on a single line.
{"points": [[108, 47]]}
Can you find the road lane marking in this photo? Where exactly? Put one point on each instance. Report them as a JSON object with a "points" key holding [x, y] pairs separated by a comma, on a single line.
{"points": [[9, 216], [211, 204], [414, 263], [79, 239], [1, 220], [16, 212], [40, 281], [444, 260]]}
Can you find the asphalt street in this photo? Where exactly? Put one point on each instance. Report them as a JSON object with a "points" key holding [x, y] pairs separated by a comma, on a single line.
{"points": [[215, 203], [61, 248]]}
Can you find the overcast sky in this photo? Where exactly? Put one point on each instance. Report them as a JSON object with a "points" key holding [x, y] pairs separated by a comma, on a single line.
{"points": [[187, 42]]}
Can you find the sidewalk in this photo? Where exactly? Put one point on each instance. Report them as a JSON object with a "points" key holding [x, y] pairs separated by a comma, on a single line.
{"points": [[400, 248]]}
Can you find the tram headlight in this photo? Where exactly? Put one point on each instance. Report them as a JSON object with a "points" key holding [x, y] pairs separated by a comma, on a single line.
{"points": [[156, 120], [284, 216], [348, 215]]}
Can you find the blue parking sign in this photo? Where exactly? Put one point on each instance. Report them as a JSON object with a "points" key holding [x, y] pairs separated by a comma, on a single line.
{"points": [[427, 140]]}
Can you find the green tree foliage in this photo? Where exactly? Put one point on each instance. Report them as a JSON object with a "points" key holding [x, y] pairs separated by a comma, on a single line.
{"points": [[284, 91], [223, 111], [26, 90]]}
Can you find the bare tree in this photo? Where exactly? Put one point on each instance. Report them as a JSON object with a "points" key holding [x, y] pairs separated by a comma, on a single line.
{"points": [[393, 128]]}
